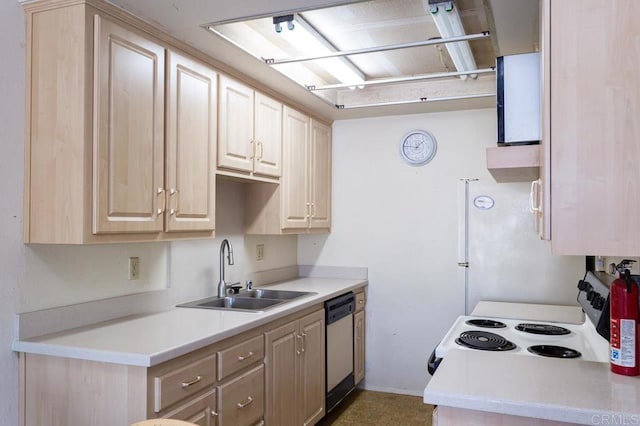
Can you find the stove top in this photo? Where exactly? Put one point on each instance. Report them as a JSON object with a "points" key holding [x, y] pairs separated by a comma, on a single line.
{"points": [[531, 338]]}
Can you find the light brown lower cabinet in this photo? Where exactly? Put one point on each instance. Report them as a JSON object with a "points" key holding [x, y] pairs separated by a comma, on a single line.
{"points": [[295, 379], [236, 382], [201, 410], [241, 400], [358, 347], [222, 384], [359, 337]]}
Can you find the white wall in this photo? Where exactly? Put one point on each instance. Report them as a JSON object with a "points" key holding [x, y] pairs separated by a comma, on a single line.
{"points": [[401, 222]]}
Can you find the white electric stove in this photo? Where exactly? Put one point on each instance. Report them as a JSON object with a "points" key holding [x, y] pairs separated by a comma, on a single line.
{"points": [[569, 342], [524, 337]]}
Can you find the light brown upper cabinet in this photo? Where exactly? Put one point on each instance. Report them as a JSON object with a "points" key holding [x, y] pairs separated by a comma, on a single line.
{"points": [[302, 201], [95, 141], [250, 133], [191, 145], [307, 165], [591, 146], [129, 130]]}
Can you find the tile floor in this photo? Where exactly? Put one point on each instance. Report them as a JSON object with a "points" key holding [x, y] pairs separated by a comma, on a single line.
{"points": [[368, 408]]}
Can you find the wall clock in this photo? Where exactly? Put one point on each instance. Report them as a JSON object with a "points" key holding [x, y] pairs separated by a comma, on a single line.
{"points": [[418, 147]]}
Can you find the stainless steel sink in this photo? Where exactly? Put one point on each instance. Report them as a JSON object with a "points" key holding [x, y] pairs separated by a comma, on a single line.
{"points": [[256, 300], [233, 303], [260, 293]]}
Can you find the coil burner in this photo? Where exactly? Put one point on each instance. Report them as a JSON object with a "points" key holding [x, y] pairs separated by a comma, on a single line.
{"points": [[485, 341], [546, 329], [485, 323], [554, 351]]}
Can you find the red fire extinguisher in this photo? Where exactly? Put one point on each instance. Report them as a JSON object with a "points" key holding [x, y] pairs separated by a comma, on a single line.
{"points": [[624, 324]]}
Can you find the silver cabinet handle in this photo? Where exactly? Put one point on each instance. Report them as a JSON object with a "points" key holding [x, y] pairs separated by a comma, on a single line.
{"points": [[160, 192], [261, 146], [298, 337], [191, 383], [252, 146], [247, 356], [244, 403], [534, 206], [303, 338], [173, 192]]}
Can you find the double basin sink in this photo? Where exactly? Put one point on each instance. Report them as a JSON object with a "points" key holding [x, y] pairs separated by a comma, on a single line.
{"points": [[256, 300]]}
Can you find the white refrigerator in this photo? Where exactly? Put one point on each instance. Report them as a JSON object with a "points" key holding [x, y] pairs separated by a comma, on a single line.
{"points": [[500, 256]]}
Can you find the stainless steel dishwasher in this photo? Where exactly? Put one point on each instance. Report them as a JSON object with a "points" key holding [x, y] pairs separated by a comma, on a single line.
{"points": [[339, 320]]}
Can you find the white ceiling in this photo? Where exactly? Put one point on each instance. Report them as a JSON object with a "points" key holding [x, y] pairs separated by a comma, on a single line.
{"points": [[516, 31]]}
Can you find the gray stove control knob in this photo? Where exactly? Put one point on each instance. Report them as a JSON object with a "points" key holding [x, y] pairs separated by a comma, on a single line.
{"points": [[591, 295], [600, 302]]}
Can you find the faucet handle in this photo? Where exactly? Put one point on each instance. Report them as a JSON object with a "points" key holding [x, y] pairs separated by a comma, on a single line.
{"points": [[234, 288], [249, 284]]}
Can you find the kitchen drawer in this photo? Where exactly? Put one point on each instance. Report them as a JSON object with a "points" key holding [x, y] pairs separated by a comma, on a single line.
{"points": [[241, 400], [360, 301], [183, 381], [200, 410], [240, 356]]}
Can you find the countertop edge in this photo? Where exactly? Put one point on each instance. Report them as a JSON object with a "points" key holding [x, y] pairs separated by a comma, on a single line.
{"points": [[516, 408]]}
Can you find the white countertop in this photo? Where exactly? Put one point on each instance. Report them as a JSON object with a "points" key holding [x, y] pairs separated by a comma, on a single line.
{"points": [[149, 339], [555, 389], [530, 311]]}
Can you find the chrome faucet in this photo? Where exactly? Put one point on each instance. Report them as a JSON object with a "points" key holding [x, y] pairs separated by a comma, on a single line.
{"points": [[222, 286]]}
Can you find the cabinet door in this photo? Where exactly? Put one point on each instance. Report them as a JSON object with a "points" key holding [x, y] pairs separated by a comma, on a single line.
{"points": [[358, 347], [268, 136], [320, 170], [191, 145], [241, 400], [595, 136], [295, 181], [201, 410], [311, 369], [282, 352], [129, 131], [235, 134]]}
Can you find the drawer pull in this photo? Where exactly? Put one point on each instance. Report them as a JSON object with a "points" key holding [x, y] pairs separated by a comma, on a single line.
{"points": [[361, 302], [243, 404], [247, 356], [191, 383]]}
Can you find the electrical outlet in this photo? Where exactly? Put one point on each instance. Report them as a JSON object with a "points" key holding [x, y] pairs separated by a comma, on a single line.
{"points": [[134, 268], [260, 252]]}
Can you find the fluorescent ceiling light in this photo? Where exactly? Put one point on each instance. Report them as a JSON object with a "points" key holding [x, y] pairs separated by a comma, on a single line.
{"points": [[449, 24], [307, 40]]}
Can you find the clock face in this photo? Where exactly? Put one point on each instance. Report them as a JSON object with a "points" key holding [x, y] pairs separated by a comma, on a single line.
{"points": [[418, 147]]}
